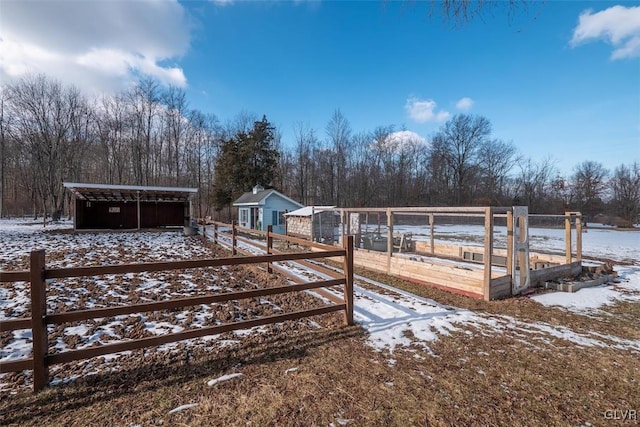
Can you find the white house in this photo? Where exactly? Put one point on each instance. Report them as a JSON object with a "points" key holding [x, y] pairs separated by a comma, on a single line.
{"points": [[259, 208]]}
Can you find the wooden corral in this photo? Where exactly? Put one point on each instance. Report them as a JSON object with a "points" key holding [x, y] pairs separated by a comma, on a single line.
{"points": [[503, 272], [38, 275]]}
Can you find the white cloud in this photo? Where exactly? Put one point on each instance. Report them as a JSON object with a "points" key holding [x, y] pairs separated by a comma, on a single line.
{"points": [[619, 25], [423, 111], [96, 45], [464, 104]]}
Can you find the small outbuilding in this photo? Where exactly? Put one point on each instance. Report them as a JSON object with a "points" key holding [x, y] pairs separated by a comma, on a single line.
{"points": [[106, 206], [317, 223], [259, 208]]}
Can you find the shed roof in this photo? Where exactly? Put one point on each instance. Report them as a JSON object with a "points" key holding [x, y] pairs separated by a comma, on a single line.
{"points": [[120, 193], [258, 198], [309, 210]]}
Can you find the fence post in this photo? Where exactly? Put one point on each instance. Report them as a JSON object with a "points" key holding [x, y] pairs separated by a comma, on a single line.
{"points": [[578, 237], [510, 242], [38, 320], [269, 246], [488, 252], [432, 238], [215, 233], [348, 278], [234, 239], [567, 236]]}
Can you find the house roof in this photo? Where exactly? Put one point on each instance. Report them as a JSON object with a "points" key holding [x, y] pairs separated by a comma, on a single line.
{"points": [[254, 199], [124, 193], [309, 210]]}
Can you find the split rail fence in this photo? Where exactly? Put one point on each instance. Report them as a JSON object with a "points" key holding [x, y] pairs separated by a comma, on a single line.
{"points": [[38, 274]]}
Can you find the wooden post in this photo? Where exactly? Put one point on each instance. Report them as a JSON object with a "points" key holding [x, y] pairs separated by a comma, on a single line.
{"points": [[509, 243], [348, 277], [269, 245], [38, 320], [431, 221], [389, 239], [488, 251], [215, 234], [567, 236], [234, 239], [138, 207], [578, 237], [312, 227]]}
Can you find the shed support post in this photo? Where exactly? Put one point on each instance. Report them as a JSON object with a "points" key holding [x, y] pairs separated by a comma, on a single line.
{"points": [[38, 320]]}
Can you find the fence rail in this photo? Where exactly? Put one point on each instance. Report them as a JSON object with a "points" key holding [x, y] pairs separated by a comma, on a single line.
{"points": [[38, 274]]}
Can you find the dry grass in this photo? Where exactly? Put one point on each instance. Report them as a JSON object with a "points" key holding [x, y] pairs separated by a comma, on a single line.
{"points": [[470, 378]]}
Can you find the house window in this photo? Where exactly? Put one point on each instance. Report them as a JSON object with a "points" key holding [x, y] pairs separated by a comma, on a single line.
{"points": [[244, 215], [277, 217]]}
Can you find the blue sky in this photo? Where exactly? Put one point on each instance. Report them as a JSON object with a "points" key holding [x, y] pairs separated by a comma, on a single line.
{"points": [[552, 82]]}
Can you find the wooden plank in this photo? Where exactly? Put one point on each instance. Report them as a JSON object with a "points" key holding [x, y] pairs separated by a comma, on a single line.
{"points": [[81, 315], [326, 294], [471, 294], [14, 276], [38, 320], [15, 324], [440, 210], [57, 273], [70, 356], [251, 231], [556, 272], [251, 242], [16, 366], [303, 242]]}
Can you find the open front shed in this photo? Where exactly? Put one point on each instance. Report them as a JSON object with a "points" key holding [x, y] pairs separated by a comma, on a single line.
{"points": [[129, 206]]}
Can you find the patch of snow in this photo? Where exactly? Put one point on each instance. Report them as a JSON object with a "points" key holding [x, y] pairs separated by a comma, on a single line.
{"points": [[183, 407], [223, 378]]}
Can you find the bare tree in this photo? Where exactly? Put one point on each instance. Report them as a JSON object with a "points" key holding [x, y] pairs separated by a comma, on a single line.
{"points": [[51, 130], [339, 135], [625, 185], [460, 140], [533, 184], [589, 183], [496, 158]]}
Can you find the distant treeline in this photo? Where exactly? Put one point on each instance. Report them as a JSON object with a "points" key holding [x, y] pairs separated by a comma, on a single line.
{"points": [[148, 135]]}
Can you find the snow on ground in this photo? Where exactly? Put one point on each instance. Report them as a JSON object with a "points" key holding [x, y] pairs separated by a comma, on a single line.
{"points": [[399, 319], [394, 318]]}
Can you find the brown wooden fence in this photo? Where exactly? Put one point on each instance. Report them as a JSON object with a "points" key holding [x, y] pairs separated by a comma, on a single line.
{"points": [[38, 274]]}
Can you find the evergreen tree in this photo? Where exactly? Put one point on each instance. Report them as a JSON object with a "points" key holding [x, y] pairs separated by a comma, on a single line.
{"points": [[246, 159]]}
